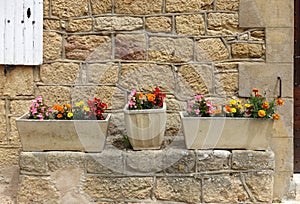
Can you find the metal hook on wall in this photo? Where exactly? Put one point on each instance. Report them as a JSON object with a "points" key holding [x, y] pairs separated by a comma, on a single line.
{"points": [[280, 86]]}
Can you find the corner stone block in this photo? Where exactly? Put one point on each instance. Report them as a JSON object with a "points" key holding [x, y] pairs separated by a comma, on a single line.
{"points": [[58, 160], [250, 160], [141, 7], [33, 163], [264, 77], [212, 160], [118, 188], [37, 190], [187, 190], [130, 47], [178, 6], [227, 188], [283, 149], [250, 15], [67, 8]]}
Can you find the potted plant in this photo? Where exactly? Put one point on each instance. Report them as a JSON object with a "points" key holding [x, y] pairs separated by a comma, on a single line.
{"points": [[145, 119], [236, 126], [63, 127]]}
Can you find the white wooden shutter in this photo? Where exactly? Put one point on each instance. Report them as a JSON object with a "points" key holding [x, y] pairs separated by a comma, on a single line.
{"points": [[21, 32]]}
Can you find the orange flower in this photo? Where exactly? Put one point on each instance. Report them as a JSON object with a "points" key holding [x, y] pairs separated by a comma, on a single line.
{"points": [[60, 109], [55, 107], [141, 95], [265, 105], [279, 101], [151, 97], [68, 106], [255, 90], [59, 115], [276, 116], [261, 113], [228, 109]]}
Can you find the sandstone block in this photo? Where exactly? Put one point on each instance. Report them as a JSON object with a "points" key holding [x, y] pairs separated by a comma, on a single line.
{"points": [[283, 149], [103, 73], [130, 46], [2, 108], [159, 24], [101, 7], [52, 46], [118, 188], [173, 124], [141, 7], [194, 79], [67, 8], [60, 73], [187, 190], [54, 94], [180, 6], [227, 67], [226, 84], [37, 190], [167, 49], [18, 107], [212, 160], [250, 15], [227, 5], [146, 76], [19, 81], [190, 25], [261, 185], [9, 184], [13, 137], [180, 161], [58, 160], [107, 162], [113, 23], [3, 131], [33, 163], [247, 159], [51, 24], [224, 189], [88, 48], [246, 50], [222, 23], [9, 156], [2, 81], [79, 25], [257, 35], [46, 8], [211, 49]]}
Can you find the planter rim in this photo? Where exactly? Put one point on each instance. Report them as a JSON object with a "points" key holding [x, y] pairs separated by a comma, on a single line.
{"points": [[24, 119], [183, 115], [155, 110]]}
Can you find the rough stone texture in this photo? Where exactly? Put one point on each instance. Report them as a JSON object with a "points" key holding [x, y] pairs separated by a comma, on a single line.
{"points": [[37, 190], [224, 189], [3, 132], [246, 50], [227, 84], [181, 162], [103, 73], [52, 46], [211, 49], [58, 160], [159, 24], [19, 81], [118, 188], [101, 7], [213, 160], [54, 94], [67, 8], [186, 190], [13, 137], [247, 159], [59, 73], [180, 6], [33, 163], [51, 24], [88, 48], [190, 25], [222, 23], [138, 7], [146, 76], [257, 35], [173, 124], [170, 49], [130, 47], [261, 186], [46, 8], [79, 25], [194, 79], [227, 5], [9, 184], [226, 67], [118, 23]]}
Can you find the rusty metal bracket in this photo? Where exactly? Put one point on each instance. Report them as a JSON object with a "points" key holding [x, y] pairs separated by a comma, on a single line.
{"points": [[280, 86]]}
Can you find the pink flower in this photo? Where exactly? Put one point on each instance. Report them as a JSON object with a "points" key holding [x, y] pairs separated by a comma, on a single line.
{"points": [[197, 111], [189, 110], [39, 99], [190, 103], [199, 97], [131, 103], [133, 93]]}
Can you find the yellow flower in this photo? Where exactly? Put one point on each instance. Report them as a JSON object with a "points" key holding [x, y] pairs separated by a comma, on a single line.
{"points": [[233, 110], [70, 115], [265, 105], [80, 103], [239, 106], [276, 116], [261, 113], [247, 105], [85, 108], [233, 102]]}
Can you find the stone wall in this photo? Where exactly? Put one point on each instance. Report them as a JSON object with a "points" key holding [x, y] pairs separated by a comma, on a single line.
{"points": [[105, 48], [173, 174]]}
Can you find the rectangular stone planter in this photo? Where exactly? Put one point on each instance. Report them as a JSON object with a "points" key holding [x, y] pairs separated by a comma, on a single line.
{"points": [[74, 135], [145, 128], [226, 133]]}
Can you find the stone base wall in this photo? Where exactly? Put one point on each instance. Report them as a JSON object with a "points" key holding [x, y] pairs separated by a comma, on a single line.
{"points": [[173, 174]]}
